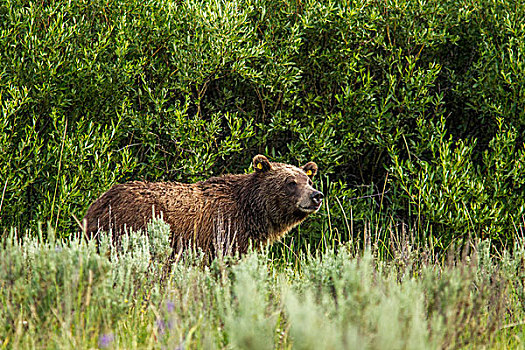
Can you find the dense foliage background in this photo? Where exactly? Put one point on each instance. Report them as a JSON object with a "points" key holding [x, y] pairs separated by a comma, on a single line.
{"points": [[413, 110]]}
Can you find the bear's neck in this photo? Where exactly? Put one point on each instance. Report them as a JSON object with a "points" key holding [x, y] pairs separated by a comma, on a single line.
{"points": [[253, 203]]}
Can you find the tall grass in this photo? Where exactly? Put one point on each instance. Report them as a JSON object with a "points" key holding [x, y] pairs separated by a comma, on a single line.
{"points": [[64, 294]]}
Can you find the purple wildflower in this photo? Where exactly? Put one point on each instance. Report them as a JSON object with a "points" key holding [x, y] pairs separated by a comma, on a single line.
{"points": [[105, 339], [161, 325], [170, 306]]}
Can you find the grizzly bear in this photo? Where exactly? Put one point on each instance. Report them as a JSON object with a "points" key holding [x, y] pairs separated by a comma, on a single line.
{"points": [[221, 214]]}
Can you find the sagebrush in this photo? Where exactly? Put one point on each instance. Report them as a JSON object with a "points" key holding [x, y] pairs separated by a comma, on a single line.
{"points": [[58, 294]]}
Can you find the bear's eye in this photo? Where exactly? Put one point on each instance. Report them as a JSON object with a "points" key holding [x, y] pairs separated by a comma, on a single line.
{"points": [[292, 184]]}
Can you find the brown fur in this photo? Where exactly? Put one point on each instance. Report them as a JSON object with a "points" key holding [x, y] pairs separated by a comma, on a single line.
{"points": [[222, 213]]}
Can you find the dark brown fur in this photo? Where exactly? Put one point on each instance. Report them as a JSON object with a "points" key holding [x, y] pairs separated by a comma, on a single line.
{"points": [[220, 213]]}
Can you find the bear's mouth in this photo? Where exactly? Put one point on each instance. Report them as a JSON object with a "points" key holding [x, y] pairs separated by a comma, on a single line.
{"points": [[311, 208]]}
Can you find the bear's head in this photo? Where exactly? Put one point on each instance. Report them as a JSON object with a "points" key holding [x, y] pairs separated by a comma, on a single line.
{"points": [[288, 190]]}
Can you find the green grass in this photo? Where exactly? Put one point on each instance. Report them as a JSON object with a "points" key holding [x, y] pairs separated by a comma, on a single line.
{"points": [[58, 294]]}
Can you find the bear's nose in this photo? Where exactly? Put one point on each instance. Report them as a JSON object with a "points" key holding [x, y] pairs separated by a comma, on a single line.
{"points": [[317, 197]]}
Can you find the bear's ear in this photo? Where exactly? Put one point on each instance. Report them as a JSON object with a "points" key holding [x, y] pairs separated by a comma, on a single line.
{"points": [[310, 169], [261, 163]]}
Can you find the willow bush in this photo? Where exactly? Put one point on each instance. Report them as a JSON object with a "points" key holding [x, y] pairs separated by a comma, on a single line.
{"points": [[413, 110]]}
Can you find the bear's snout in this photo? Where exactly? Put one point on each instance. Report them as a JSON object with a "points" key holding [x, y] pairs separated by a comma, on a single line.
{"points": [[317, 197], [311, 202]]}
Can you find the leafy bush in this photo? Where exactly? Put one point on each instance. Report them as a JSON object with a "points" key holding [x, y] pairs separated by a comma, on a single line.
{"points": [[413, 111], [465, 198]]}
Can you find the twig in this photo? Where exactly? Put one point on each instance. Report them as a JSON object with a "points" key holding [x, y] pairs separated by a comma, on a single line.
{"points": [[3, 194], [369, 196], [59, 168], [128, 146], [344, 216], [511, 325], [82, 225]]}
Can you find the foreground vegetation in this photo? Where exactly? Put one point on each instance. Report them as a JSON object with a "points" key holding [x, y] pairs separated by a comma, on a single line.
{"points": [[58, 294]]}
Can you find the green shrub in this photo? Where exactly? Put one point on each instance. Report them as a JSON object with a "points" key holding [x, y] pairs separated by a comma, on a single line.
{"points": [[441, 182], [387, 97], [53, 285], [73, 286], [56, 293]]}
